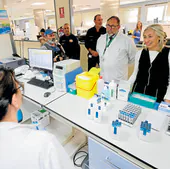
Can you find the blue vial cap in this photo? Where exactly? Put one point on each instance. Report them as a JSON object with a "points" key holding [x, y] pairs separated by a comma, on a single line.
{"points": [[113, 123], [119, 124], [89, 111], [99, 107], [97, 115], [99, 100], [91, 104], [144, 132], [115, 130]]}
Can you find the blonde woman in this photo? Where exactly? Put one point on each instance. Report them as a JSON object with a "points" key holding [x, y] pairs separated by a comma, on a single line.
{"points": [[151, 74]]}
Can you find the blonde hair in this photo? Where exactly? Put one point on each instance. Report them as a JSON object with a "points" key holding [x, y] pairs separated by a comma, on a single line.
{"points": [[159, 32]]}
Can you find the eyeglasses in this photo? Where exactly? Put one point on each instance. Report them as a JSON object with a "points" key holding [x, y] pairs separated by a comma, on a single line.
{"points": [[21, 87], [112, 26]]}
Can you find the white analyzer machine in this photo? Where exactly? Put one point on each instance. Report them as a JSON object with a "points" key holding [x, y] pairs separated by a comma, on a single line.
{"points": [[60, 70]]}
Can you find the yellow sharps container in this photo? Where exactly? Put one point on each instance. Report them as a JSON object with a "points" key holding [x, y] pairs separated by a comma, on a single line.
{"points": [[86, 83]]}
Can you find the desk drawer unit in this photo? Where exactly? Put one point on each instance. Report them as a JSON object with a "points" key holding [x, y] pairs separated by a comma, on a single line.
{"points": [[101, 157]]}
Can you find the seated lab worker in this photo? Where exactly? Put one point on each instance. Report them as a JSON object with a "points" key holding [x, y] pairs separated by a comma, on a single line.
{"points": [[70, 43], [116, 51], [51, 44], [21, 146], [151, 74]]}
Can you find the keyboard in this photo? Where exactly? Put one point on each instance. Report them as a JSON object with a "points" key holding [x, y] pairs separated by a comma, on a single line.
{"points": [[40, 83]]}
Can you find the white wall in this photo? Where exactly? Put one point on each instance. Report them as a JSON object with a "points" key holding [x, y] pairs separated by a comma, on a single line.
{"points": [[85, 18]]}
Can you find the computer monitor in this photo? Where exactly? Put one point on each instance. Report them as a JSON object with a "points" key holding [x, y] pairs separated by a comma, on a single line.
{"points": [[40, 58]]}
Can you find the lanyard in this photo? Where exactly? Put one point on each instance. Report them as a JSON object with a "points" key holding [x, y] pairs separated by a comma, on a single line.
{"points": [[108, 42]]}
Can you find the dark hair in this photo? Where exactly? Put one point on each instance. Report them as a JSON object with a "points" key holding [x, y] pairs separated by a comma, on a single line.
{"points": [[114, 17], [7, 89], [95, 17], [42, 30]]}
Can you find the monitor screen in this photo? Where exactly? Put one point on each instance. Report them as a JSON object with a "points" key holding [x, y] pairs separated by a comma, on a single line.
{"points": [[40, 58]]}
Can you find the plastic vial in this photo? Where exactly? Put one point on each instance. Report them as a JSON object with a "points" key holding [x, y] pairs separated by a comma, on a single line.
{"points": [[98, 115], [113, 90], [90, 111], [100, 85]]}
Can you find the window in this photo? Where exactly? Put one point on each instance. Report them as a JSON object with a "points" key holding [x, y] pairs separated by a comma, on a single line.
{"points": [[155, 12], [128, 15]]}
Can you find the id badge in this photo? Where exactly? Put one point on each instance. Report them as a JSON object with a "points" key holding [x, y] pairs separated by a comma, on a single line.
{"points": [[90, 56]]}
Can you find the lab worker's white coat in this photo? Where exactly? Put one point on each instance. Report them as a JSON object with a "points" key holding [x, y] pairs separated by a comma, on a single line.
{"points": [[114, 62], [22, 147]]}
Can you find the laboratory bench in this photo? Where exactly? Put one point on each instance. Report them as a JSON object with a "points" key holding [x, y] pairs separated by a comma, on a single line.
{"points": [[33, 100], [68, 115]]}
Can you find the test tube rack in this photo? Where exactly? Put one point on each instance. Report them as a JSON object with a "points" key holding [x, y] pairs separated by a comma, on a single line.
{"points": [[129, 114]]}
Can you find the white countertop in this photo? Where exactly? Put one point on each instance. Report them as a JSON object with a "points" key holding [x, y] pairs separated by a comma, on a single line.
{"points": [[156, 153], [36, 93]]}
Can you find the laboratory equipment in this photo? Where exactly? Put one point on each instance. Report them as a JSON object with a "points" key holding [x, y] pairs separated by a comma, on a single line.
{"points": [[123, 90], [100, 85], [90, 111], [12, 62], [145, 127], [113, 90], [8, 51], [60, 71], [106, 93], [41, 118], [143, 100], [98, 114], [129, 114], [164, 106], [116, 124], [86, 84], [72, 88], [96, 108], [145, 131]]}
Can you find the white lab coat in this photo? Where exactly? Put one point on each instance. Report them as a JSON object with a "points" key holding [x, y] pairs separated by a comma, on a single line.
{"points": [[114, 62], [22, 147]]}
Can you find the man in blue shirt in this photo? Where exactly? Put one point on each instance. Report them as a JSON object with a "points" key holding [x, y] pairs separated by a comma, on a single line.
{"points": [[50, 44]]}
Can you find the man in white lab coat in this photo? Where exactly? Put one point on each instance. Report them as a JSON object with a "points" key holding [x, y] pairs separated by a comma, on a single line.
{"points": [[116, 51], [22, 147]]}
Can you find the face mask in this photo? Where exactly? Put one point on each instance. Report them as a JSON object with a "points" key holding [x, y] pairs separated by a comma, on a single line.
{"points": [[53, 39], [19, 116]]}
